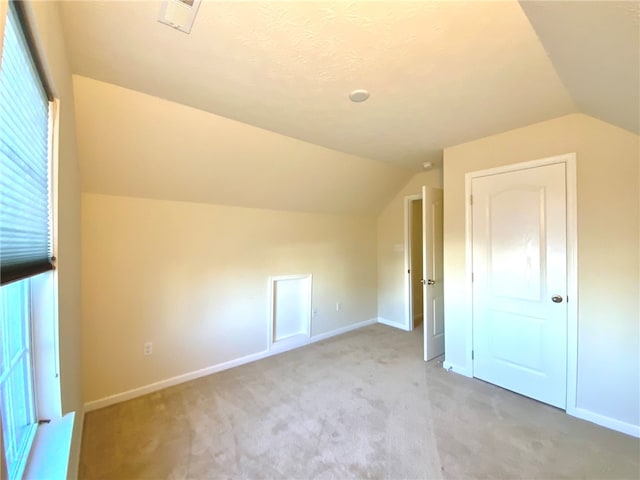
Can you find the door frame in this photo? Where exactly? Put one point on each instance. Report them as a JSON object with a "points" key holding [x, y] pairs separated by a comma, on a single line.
{"points": [[408, 292], [569, 161]]}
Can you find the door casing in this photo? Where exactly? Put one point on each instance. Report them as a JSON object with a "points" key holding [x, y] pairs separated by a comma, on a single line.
{"points": [[569, 160]]}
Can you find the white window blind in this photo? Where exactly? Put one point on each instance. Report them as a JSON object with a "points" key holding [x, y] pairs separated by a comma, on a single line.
{"points": [[25, 233]]}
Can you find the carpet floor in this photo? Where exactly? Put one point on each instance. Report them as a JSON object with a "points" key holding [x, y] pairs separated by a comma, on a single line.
{"points": [[361, 405]]}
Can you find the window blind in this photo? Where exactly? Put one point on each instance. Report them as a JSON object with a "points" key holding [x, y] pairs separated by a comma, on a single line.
{"points": [[25, 223]]}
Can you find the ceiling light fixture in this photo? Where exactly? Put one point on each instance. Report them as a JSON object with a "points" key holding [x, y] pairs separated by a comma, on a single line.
{"points": [[179, 14], [359, 95]]}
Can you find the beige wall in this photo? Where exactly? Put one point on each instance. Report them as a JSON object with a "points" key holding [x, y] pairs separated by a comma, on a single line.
{"points": [[44, 16], [608, 237], [193, 279], [391, 269]]}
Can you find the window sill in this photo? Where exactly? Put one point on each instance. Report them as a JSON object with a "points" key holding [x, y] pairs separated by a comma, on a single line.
{"points": [[49, 457]]}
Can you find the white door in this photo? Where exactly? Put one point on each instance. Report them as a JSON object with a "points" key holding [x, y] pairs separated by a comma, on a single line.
{"points": [[520, 281], [432, 272]]}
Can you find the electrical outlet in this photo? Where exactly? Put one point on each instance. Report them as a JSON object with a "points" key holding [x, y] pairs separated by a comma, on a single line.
{"points": [[148, 348], [338, 307], [314, 312]]}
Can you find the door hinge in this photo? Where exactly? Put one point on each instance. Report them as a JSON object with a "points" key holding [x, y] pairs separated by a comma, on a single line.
{"points": [[408, 271], [470, 199], [471, 277], [472, 355]]}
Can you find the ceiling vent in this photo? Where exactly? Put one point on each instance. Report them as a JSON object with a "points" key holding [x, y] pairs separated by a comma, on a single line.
{"points": [[179, 14]]}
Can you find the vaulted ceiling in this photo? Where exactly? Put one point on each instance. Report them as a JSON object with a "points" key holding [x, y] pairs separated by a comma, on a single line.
{"points": [[595, 49], [439, 72]]}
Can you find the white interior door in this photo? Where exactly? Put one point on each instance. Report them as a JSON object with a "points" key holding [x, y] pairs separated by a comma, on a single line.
{"points": [[432, 272], [520, 281]]}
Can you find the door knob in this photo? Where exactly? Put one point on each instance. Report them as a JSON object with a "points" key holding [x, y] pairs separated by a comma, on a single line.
{"points": [[423, 281], [556, 299], [431, 282]]}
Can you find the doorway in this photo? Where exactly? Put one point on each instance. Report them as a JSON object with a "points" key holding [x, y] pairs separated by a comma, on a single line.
{"points": [[424, 268], [521, 227], [415, 269]]}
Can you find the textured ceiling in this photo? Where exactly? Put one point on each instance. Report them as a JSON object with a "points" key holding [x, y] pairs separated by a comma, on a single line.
{"points": [[440, 73]]}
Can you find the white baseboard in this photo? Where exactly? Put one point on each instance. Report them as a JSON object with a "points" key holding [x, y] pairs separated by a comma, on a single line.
{"points": [[583, 414], [391, 323], [169, 382], [588, 415], [302, 340], [340, 331], [450, 367], [203, 372], [604, 421]]}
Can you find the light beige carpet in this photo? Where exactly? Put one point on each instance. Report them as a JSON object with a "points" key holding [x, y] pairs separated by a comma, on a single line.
{"points": [[362, 405]]}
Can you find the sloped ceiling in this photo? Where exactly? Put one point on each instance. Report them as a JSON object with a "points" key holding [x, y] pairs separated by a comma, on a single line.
{"points": [[595, 48], [138, 145], [439, 72]]}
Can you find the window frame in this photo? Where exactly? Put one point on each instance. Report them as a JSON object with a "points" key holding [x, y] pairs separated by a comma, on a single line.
{"points": [[41, 294]]}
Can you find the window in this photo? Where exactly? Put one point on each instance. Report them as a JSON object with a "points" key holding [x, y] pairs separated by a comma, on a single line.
{"points": [[16, 378], [25, 234]]}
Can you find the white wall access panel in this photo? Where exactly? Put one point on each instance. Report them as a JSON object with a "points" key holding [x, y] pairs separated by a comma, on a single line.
{"points": [[290, 307]]}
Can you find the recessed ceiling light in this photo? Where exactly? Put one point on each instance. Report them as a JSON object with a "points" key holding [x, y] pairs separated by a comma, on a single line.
{"points": [[359, 95]]}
